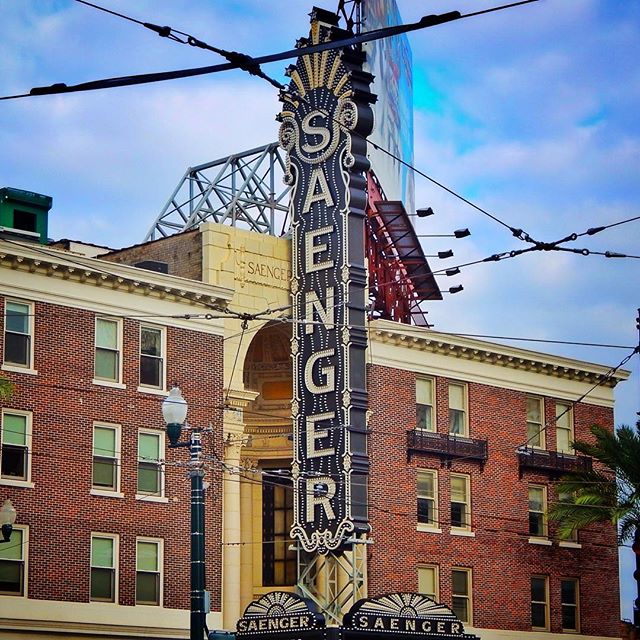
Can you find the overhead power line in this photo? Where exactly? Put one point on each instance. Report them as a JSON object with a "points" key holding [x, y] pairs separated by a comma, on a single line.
{"points": [[146, 78]]}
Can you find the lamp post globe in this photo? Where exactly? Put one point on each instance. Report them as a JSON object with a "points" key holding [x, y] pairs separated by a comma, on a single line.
{"points": [[7, 520], [174, 412]]}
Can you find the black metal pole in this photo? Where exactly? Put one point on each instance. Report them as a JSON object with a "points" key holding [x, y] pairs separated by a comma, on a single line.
{"points": [[196, 473], [636, 575]]}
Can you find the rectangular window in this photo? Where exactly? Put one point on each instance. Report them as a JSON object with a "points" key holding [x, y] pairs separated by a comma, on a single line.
{"points": [[424, 404], [18, 333], [278, 560], [458, 423], [428, 582], [535, 420], [570, 602], [150, 456], [107, 366], [538, 511], [106, 457], [104, 553], [12, 563], [460, 501], [564, 427], [573, 537], [151, 357], [540, 602], [428, 497], [461, 594], [149, 571], [16, 440]]}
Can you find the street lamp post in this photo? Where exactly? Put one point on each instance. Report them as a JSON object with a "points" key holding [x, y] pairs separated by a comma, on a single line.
{"points": [[174, 411]]}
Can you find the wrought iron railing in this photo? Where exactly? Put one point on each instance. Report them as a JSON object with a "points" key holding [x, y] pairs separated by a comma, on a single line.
{"points": [[554, 462], [448, 446]]}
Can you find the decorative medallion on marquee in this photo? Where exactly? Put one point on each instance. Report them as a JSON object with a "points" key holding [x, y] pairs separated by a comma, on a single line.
{"points": [[326, 116], [279, 612], [404, 614]]}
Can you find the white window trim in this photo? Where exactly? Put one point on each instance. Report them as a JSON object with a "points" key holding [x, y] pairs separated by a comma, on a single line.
{"points": [[160, 543], [543, 539], [13, 482], [116, 562], [12, 366], [25, 560], [97, 491], [469, 572], [468, 527], [143, 496], [465, 402], [432, 405], [569, 544], [425, 526], [543, 432], [436, 572], [163, 355], [572, 428], [118, 384], [547, 607]]}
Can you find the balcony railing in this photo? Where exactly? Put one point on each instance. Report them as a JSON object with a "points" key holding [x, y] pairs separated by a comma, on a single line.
{"points": [[554, 462], [448, 446]]}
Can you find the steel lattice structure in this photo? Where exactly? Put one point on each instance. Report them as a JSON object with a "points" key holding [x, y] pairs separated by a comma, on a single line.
{"points": [[243, 190]]}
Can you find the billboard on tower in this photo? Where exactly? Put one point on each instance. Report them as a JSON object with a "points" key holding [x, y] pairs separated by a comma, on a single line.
{"points": [[390, 61]]}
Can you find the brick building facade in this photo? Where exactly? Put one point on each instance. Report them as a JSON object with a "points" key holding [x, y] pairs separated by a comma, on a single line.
{"points": [[101, 541], [466, 440]]}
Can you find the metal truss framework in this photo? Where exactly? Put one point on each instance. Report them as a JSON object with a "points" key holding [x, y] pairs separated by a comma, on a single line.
{"points": [[334, 581], [243, 190]]}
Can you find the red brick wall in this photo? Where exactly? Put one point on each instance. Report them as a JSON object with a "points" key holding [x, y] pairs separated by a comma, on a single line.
{"points": [[500, 555], [182, 252], [59, 509]]}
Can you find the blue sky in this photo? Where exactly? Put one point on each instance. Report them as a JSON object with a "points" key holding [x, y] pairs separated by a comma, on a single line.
{"points": [[532, 113]]}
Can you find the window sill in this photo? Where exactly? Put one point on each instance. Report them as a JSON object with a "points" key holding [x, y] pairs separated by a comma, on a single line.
{"points": [[109, 383], [462, 532], [8, 482], [159, 499], [106, 494], [427, 529], [545, 542], [17, 369], [153, 391], [567, 544]]}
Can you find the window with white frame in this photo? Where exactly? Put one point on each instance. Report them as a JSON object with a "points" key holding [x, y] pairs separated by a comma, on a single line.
{"points": [[537, 511], [18, 333], [460, 501], [570, 604], [540, 602], [13, 560], [104, 566], [461, 590], [425, 415], [428, 581], [427, 480], [150, 456], [152, 357], [535, 422], [16, 441], [106, 457], [458, 418], [564, 427], [107, 360], [149, 562]]}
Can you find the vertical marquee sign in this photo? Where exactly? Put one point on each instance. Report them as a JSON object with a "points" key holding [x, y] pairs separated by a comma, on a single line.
{"points": [[325, 119]]}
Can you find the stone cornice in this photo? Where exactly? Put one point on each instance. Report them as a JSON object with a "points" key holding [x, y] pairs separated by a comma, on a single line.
{"points": [[64, 265], [419, 338]]}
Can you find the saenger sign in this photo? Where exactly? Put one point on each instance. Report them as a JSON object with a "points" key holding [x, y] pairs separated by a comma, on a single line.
{"points": [[325, 118]]}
